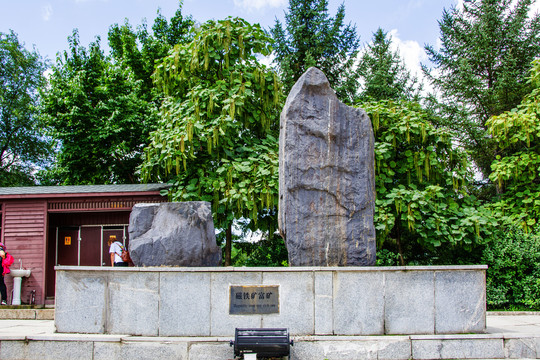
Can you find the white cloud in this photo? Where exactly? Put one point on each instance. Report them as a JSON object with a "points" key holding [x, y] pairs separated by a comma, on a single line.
{"points": [[413, 55], [46, 12], [410, 51], [259, 4], [415, 4], [534, 9], [47, 74]]}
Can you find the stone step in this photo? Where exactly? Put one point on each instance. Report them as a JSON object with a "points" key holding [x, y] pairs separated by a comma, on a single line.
{"points": [[12, 312], [112, 347], [508, 336]]}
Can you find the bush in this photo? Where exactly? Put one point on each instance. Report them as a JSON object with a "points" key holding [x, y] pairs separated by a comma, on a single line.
{"points": [[513, 276], [386, 257], [267, 252]]}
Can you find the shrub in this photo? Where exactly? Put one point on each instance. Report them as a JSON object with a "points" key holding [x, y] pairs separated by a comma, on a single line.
{"points": [[386, 257], [513, 276]]}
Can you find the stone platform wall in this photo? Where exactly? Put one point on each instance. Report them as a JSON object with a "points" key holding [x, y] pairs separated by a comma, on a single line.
{"points": [[168, 301]]}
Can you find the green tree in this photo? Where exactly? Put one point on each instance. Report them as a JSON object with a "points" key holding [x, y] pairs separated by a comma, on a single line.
{"points": [[97, 113], [481, 67], [312, 38], [383, 73], [140, 49], [102, 108], [217, 134], [269, 251], [517, 134], [23, 147], [255, 248], [423, 211]]}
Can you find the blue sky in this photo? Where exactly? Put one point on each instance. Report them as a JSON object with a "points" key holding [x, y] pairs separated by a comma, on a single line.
{"points": [[47, 23]]}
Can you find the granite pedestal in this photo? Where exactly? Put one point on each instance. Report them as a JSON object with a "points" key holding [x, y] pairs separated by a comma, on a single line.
{"points": [[356, 301]]}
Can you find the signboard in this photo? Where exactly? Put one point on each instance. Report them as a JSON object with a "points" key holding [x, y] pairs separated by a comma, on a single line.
{"points": [[67, 240], [252, 300]]}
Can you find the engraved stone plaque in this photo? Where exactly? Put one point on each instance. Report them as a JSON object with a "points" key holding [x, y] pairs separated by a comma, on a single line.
{"points": [[251, 300]]}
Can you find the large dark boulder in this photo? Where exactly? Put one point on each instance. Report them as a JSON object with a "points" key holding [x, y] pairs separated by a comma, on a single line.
{"points": [[326, 178], [173, 234]]}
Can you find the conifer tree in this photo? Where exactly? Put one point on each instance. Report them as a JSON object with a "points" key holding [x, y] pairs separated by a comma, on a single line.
{"points": [[482, 67], [517, 173], [312, 38], [383, 73]]}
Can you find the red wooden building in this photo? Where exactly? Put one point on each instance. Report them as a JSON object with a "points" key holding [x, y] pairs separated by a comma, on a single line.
{"points": [[44, 226]]}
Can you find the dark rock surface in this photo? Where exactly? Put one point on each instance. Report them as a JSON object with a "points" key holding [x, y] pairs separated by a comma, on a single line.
{"points": [[326, 178], [173, 234]]}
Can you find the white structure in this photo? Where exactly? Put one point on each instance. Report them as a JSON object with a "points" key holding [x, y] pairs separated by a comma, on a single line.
{"points": [[17, 275]]}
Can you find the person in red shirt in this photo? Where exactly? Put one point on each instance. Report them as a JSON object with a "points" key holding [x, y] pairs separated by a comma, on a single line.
{"points": [[7, 260]]}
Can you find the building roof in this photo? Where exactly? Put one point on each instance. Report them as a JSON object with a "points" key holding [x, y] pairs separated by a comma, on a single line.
{"points": [[81, 189]]}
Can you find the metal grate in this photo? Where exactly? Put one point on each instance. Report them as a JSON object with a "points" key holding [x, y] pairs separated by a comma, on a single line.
{"points": [[96, 205], [264, 342]]}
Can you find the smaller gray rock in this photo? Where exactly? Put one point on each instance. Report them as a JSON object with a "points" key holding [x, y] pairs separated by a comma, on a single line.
{"points": [[173, 234]]}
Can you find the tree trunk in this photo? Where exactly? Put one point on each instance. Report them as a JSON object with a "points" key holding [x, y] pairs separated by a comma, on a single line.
{"points": [[228, 245], [398, 241]]}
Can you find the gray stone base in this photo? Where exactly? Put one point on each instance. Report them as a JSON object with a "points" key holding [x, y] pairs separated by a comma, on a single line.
{"points": [[168, 301], [115, 347]]}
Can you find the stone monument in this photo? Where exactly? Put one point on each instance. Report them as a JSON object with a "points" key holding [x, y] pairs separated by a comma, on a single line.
{"points": [[173, 234], [326, 177], [326, 216]]}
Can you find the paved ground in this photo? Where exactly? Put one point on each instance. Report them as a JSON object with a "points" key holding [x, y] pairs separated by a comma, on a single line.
{"points": [[509, 324], [515, 323]]}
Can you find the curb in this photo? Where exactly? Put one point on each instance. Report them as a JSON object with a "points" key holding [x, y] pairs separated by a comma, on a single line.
{"points": [[26, 314]]}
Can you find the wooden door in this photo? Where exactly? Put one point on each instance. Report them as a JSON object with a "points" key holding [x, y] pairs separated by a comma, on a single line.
{"points": [[68, 246], [90, 246]]}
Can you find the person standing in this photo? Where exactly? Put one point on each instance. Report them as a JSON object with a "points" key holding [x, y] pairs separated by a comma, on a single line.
{"points": [[7, 260], [115, 249]]}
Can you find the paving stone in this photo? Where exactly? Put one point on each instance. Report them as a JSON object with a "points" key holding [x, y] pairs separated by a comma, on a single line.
{"points": [[409, 302], [45, 350], [45, 314], [222, 323], [524, 348], [185, 304], [324, 303], [347, 350], [395, 349], [18, 314], [358, 303], [140, 351], [133, 303], [458, 349], [295, 293], [460, 302], [210, 351], [81, 302]]}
